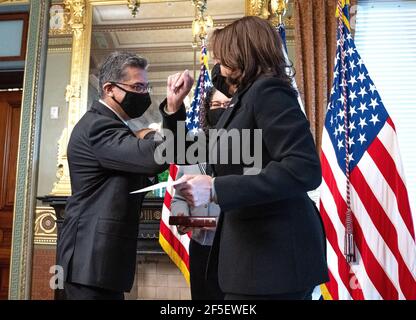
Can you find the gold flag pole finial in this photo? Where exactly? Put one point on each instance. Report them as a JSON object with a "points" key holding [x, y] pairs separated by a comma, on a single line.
{"points": [[133, 6], [343, 4], [279, 8]]}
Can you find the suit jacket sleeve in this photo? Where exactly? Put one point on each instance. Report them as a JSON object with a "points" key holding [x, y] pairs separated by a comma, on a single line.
{"points": [[170, 120], [294, 167], [116, 148]]}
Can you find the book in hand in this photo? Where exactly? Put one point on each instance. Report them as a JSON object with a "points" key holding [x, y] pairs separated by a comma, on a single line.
{"points": [[193, 221]]}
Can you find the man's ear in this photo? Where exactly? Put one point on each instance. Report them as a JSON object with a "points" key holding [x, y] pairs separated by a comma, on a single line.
{"points": [[108, 89]]}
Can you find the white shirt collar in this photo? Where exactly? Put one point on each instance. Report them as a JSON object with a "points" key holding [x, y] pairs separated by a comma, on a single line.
{"points": [[124, 121]]}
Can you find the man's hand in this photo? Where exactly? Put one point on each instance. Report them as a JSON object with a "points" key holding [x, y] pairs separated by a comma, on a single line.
{"points": [[143, 132], [196, 189], [178, 88]]}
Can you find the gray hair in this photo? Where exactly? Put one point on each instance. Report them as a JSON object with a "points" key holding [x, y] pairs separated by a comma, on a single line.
{"points": [[113, 68]]}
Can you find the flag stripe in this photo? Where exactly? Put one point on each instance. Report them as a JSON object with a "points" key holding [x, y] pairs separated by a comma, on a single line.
{"points": [[342, 291], [374, 240], [390, 122], [176, 246], [166, 246], [386, 230], [332, 287], [343, 267], [367, 287], [369, 290], [174, 242], [385, 136], [388, 169], [375, 271], [385, 196]]}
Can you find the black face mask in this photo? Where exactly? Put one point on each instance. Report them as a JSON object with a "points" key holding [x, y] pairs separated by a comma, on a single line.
{"points": [[134, 104], [214, 115], [219, 81]]}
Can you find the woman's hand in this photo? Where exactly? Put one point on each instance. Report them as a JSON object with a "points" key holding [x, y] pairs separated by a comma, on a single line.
{"points": [[196, 189], [182, 229]]}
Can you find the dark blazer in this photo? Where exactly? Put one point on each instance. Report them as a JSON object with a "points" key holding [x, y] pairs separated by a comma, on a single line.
{"points": [[270, 238], [98, 239]]}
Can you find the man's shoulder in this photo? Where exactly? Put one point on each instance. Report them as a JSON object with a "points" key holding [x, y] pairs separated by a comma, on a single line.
{"points": [[92, 121]]}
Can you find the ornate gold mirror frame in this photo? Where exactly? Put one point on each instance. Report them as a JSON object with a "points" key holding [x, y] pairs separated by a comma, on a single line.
{"points": [[80, 21]]}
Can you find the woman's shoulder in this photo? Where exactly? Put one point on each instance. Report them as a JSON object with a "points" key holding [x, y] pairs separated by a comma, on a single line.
{"points": [[266, 90], [275, 85]]}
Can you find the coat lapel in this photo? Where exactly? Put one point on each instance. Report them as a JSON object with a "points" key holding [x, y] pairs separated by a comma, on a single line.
{"points": [[228, 114], [98, 107], [234, 105]]}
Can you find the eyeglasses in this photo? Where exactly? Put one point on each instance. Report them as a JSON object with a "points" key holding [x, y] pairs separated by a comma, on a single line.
{"points": [[137, 87], [219, 104]]}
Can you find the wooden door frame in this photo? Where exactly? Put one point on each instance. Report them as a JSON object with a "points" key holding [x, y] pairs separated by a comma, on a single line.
{"points": [[12, 101], [28, 153]]}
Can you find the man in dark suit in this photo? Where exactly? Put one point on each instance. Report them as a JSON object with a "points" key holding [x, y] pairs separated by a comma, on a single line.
{"points": [[97, 243]]}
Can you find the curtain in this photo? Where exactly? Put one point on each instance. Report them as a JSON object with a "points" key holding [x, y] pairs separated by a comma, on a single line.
{"points": [[315, 39]]}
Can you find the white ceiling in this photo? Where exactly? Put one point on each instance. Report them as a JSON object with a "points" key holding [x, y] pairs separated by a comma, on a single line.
{"points": [[168, 11]]}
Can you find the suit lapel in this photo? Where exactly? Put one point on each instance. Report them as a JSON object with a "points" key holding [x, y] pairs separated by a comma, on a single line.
{"points": [[234, 105], [98, 107], [228, 114]]}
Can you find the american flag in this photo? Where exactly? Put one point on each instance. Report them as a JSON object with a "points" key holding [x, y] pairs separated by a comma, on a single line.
{"points": [[363, 193], [195, 116], [281, 29], [175, 245]]}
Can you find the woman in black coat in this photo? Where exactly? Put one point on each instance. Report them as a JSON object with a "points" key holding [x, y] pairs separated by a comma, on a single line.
{"points": [[270, 242]]}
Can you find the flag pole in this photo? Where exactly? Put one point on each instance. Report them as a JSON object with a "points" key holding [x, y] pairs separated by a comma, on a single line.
{"points": [[349, 246]]}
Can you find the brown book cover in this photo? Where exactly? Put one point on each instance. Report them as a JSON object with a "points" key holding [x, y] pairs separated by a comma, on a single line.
{"points": [[194, 221]]}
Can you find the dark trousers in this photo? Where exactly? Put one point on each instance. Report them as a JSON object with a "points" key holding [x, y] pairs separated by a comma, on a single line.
{"points": [[75, 291], [201, 288], [301, 295]]}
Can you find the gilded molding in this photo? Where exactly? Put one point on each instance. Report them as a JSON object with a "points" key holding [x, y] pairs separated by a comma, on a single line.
{"points": [[154, 26], [45, 230], [263, 9], [76, 14], [259, 8], [59, 17], [77, 88], [59, 43], [13, 2]]}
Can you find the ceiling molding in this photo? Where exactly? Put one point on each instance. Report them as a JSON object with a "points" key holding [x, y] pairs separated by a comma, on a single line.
{"points": [[153, 49], [156, 25]]}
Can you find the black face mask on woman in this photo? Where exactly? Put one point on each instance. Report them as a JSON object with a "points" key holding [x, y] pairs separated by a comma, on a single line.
{"points": [[219, 81], [214, 115], [134, 104]]}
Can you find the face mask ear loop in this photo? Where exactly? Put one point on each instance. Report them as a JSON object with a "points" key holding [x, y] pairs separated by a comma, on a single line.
{"points": [[114, 99]]}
